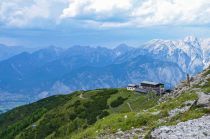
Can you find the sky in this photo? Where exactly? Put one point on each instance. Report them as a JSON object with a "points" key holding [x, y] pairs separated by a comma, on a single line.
{"points": [[37, 23]]}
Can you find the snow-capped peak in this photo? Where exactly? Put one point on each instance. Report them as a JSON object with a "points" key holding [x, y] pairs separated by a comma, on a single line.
{"points": [[190, 39], [121, 49], [189, 52]]}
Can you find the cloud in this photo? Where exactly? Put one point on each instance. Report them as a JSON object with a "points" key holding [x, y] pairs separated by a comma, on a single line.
{"points": [[104, 13], [183, 12], [140, 13], [97, 8], [9, 41], [14, 15], [20, 13]]}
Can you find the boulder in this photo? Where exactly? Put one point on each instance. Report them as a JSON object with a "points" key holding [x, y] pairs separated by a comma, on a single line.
{"points": [[176, 111], [188, 105], [192, 129], [203, 99]]}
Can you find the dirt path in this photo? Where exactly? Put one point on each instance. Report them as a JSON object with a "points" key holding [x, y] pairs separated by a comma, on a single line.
{"points": [[129, 106], [81, 96]]}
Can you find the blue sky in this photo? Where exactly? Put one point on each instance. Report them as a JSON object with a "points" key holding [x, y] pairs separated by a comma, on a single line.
{"points": [[37, 23]]}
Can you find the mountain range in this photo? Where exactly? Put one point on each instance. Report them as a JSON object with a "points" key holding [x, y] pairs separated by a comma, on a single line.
{"points": [[9, 51], [52, 70]]}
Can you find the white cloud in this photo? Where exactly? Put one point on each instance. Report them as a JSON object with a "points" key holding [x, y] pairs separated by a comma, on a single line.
{"points": [[100, 8], [18, 13], [156, 12], [140, 13], [105, 13], [9, 41], [21, 13]]}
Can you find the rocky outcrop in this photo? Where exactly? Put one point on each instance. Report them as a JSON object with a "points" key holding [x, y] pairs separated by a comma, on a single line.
{"points": [[203, 99], [130, 134], [188, 105], [192, 129], [196, 84]]}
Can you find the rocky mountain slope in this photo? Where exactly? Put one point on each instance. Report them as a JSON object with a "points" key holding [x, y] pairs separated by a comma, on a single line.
{"points": [[9, 51], [55, 70], [196, 128], [115, 113], [191, 54]]}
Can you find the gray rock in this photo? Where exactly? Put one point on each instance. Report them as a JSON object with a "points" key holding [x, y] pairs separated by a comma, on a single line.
{"points": [[189, 102], [130, 134], [192, 129], [207, 76], [155, 113], [203, 99], [176, 111]]}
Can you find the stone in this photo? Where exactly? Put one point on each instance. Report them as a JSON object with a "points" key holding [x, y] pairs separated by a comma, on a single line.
{"points": [[176, 111], [130, 134], [192, 129], [207, 76], [155, 113], [189, 102], [203, 99]]}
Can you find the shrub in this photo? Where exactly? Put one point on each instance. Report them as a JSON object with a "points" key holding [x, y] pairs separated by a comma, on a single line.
{"points": [[103, 114], [117, 102]]}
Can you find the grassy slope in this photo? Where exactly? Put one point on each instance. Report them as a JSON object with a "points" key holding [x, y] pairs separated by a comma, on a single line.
{"points": [[13, 122], [95, 113], [149, 118], [62, 116], [206, 87]]}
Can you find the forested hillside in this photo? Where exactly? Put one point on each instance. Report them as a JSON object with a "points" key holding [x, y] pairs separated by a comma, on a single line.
{"points": [[59, 116], [108, 113]]}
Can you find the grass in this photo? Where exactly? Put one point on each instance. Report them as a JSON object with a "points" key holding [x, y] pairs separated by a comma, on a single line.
{"points": [[90, 114], [206, 72], [143, 118], [193, 113], [206, 87], [95, 113], [175, 103], [61, 116], [115, 122], [137, 101]]}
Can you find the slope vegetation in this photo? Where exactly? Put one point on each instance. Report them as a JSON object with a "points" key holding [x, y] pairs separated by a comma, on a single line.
{"points": [[108, 113], [65, 115]]}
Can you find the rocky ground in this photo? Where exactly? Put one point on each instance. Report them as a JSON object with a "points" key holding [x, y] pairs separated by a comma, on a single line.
{"points": [[188, 105], [130, 134], [204, 99], [192, 129], [196, 83]]}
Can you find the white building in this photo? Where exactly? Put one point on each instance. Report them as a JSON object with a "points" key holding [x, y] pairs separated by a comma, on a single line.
{"points": [[147, 86], [132, 87]]}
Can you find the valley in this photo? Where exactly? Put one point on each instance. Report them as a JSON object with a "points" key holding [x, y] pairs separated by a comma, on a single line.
{"points": [[54, 70]]}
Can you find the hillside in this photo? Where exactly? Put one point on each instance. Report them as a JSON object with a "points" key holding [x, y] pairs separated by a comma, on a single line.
{"points": [[28, 77], [60, 116], [111, 113]]}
